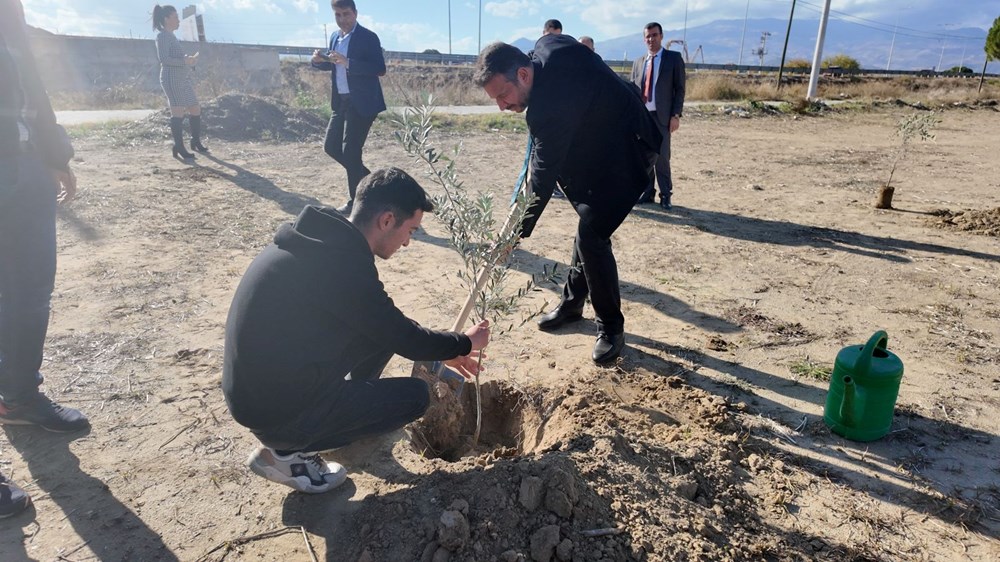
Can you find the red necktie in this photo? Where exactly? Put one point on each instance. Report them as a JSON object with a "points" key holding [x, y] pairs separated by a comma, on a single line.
{"points": [[647, 90]]}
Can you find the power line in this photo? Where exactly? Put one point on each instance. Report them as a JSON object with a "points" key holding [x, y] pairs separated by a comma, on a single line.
{"points": [[888, 28]]}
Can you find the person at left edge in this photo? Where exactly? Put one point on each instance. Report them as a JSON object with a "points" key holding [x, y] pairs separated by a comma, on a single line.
{"points": [[356, 62]]}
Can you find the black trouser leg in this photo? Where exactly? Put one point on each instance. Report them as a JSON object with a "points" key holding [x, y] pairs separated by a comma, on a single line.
{"points": [[598, 274]]}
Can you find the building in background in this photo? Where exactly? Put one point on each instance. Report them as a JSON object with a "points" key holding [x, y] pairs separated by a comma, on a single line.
{"points": [[192, 25]]}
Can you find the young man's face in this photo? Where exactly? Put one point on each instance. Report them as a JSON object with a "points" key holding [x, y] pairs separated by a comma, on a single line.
{"points": [[395, 236], [653, 38], [510, 96], [346, 18]]}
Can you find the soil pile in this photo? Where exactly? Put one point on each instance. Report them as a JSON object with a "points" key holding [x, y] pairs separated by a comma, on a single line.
{"points": [[984, 222], [233, 117], [610, 468]]}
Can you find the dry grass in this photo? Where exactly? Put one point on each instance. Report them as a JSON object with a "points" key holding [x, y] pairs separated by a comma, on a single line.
{"points": [[411, 84]]}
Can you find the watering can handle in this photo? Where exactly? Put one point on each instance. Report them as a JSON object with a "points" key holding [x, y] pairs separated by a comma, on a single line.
{"points": [[879, 339]]}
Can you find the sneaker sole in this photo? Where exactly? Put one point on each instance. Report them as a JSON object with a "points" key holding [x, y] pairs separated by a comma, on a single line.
{"points": [[46, 428], [18, 511], [301, 484]]}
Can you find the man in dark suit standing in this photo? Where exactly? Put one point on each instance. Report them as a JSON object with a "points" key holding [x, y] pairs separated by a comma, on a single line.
{"points": [[592, 133], [660, 77], [35, 175], [355, 57]]}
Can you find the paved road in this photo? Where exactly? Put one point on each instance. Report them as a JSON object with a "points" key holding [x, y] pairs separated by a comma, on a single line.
{"points": [[82, 117]]}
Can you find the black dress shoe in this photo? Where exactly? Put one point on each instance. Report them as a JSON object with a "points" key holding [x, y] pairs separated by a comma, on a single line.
{"points": [[608, 348], [557, 318], [347, 208], [665, 204]]}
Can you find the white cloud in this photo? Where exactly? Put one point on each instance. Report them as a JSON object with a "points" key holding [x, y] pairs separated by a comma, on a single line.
{"points": [[512, 8], [223, 6], [306, 6]]}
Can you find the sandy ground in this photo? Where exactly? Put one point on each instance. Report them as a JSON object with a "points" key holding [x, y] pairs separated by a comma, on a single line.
{"points": [[701, 444]]}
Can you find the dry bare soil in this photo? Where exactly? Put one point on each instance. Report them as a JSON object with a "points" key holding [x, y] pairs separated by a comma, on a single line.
{"points": [[705, 442]]}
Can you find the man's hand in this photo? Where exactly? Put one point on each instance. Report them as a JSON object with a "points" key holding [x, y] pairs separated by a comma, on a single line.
{"points": [[319, 57], [337, 58], [67, 185], [479, 334], [468, 365], [675, 123]]}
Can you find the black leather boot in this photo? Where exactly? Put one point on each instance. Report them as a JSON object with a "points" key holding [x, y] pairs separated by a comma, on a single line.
{"points": [[195, 121], [176, 124]]}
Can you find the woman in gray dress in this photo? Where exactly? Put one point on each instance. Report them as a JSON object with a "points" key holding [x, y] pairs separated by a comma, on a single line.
{"points": [[175, 78]]}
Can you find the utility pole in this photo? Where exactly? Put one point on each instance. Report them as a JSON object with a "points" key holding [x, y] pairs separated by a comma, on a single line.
{"points": [[784, 50], [818, 54], [762, 50], [449, 27], [893, 43], [326, 37], [479, 45], [744, 35], [941, 58], [685, 36]]}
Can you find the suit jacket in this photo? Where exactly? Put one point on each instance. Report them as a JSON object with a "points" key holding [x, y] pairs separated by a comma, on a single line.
{"points": [[591, 131], [22, 95], [668, 91], [367, 64]]}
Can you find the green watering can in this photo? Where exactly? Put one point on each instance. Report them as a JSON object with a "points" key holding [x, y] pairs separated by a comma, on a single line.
{"points": [[863, 390]]}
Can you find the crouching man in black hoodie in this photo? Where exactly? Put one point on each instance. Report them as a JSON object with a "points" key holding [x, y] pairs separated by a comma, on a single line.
{"points": [[311, 328]]}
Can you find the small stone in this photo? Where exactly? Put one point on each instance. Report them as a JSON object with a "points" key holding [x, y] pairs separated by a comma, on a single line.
{"points": [[532, 489], [564, 552], [543, 543], [686, 487], [453, 530], [429, 550], [442, 554], [460, 505], [558, 502], [510, 556]]}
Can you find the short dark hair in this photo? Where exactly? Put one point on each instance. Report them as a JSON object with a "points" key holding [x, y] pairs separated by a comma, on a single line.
{"points": [[553, 24], [653, 24], [160, 15], [345, 4], [499, 59], [389, 189]]}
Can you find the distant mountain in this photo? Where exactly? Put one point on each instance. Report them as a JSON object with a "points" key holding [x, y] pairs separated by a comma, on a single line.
{"points": [[525, 44], [720, 44]]}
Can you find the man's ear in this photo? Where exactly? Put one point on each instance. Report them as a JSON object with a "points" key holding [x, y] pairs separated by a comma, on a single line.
{"points": [[386, 220]]}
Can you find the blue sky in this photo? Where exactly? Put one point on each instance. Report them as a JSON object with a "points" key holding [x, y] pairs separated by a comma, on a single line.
{"points": [[415, 25]]}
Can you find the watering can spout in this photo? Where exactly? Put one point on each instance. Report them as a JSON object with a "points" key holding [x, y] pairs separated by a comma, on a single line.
{"points": [[847, 406]]}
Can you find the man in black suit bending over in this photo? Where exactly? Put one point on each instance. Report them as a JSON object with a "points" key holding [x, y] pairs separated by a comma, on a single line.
{"points": [[356, 61], [591, 132]]}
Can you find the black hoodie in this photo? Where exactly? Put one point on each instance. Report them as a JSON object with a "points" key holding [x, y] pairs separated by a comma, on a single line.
{"points": [[308, 309]]}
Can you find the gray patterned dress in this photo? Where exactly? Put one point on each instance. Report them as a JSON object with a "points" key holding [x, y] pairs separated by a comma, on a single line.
{"points": [[175, 74]]}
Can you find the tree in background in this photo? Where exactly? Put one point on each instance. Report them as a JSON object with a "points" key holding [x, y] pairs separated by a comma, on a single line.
{"points": [[843, 61], [992, 48]]}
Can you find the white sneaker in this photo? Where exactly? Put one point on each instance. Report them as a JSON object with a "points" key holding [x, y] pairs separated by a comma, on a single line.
{"points": [[305, 472]]}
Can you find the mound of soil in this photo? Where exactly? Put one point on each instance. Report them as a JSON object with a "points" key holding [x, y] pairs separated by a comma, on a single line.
{"points": [[235, 117], [985, 222], [625, 467]]}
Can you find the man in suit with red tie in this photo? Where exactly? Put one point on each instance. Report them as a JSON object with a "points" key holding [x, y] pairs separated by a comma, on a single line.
{"points": [[592, 134], [660, 77]]}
